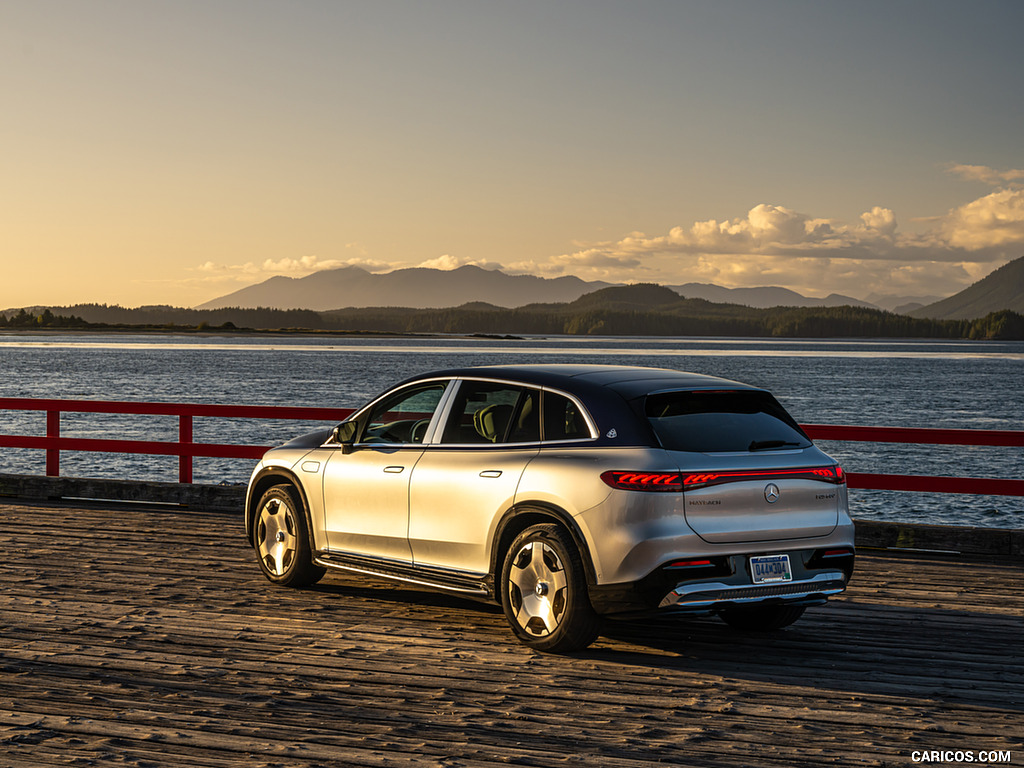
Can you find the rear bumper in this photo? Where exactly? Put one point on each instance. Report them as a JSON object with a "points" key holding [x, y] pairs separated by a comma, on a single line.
{"points": [[817, 574], [702, 596]]}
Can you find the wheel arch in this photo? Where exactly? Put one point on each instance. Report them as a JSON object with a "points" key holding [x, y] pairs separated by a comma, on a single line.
{"points": [[266, 479], [524, 514]]}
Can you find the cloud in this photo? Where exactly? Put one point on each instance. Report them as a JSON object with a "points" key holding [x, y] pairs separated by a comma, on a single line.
{"points": [[448, 263], [986, 175], [250, 272], [990, 222], [769, 245], [776, 245]]}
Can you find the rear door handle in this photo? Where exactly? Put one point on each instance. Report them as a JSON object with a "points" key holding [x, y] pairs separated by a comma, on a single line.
{"points": [[394, 469], [491, 473]]}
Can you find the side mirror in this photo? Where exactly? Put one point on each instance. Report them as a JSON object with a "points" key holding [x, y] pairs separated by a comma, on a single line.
{"points": [[345, 435]]}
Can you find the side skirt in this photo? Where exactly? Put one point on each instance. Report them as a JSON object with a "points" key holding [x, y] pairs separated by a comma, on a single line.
{"points": [[478, 585]]}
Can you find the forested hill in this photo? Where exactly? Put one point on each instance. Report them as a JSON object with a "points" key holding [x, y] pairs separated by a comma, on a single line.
{"points": [[1002, 289], [652, 310], [637, 310]]}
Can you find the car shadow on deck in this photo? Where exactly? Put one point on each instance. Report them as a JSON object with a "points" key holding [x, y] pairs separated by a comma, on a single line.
{"points": [[940, 655]]}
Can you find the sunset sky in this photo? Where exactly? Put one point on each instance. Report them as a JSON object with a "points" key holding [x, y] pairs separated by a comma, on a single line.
{"points": [[171, 152]]}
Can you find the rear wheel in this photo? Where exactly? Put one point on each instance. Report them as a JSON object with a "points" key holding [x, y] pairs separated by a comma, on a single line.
{"points": [[761, 618], [544, 591], [281, 539]]}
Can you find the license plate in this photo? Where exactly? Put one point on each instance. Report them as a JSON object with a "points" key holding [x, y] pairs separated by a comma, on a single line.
{"points": [[766, 569]]}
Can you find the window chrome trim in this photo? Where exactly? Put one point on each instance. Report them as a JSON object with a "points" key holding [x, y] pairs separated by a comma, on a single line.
{"points": [[432, 436], [591, 425], [436, 430], [356, 415]]}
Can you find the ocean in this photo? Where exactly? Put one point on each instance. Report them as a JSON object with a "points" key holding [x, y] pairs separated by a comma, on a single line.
{"points": [[912, 383]]}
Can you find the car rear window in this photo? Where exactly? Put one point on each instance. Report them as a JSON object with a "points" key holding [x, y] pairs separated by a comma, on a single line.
{"points": [[705, 421]]}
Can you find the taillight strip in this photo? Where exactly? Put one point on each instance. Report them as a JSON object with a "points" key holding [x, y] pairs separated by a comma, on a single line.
{"points": [[682, 481], [833, 474]]}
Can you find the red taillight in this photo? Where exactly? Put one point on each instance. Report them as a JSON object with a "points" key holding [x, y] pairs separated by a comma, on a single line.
{"points": [[643, 481], [833, 474], [844, 552], [675, 481], [689, 564]]}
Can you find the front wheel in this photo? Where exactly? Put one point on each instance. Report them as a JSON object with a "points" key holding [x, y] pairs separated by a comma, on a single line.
{"points": [[281, 539], [762, 618], [544, 591]]}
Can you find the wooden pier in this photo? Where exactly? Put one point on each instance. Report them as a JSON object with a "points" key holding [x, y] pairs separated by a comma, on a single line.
{"points": [[146, 636]]}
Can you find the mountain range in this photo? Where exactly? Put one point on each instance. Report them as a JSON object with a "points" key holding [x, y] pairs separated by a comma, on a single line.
{"points": [[423, 288], [417, 287], [999, 290]]}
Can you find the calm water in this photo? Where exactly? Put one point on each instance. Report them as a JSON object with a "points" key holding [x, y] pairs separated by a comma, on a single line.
{"points": [[885, 383]]}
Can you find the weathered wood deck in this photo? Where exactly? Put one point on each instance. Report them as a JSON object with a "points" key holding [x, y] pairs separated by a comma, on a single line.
{"points": [[147, 637]]}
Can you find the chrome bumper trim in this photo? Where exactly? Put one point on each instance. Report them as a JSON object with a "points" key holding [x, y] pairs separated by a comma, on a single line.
{"points": [[706, 594]]}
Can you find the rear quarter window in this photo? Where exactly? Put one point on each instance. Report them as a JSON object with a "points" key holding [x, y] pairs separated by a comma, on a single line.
{"points": [[705, 421]]}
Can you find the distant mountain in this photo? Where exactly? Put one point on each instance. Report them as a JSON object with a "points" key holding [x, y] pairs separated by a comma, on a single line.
{"points": [[901, 305], [417, 287], [435, 288], [1002, 289], [772, 296]]}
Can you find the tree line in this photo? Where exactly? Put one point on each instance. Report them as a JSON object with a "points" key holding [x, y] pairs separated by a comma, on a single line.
{"points": [[625, 311]]}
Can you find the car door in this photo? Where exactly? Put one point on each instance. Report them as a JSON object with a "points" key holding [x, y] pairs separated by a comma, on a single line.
{"points": [[366, 485], [467, 478]]}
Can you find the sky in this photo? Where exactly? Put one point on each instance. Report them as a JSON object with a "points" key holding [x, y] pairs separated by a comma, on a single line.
{"points": [[169, 152]]}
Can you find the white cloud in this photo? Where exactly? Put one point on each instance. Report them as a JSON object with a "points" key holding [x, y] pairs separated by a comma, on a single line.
{"points": [[986, 175], [769, 245], [250, 272], [990, 222], [775, 245], [448, 263]]}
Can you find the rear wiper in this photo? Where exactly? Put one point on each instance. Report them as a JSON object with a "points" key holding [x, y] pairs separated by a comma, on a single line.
{"points": [[761, 445]]}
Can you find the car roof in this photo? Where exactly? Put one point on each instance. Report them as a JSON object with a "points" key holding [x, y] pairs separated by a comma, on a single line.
{"points": [[629, 381], [610, 393]]}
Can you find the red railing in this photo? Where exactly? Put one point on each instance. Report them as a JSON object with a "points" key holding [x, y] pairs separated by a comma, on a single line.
{"points": [[186, 449], [975, 485]]}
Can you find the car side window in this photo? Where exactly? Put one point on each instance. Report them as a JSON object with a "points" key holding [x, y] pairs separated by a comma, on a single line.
{"points": [[405, 416], [562, 419], [489, 412]]}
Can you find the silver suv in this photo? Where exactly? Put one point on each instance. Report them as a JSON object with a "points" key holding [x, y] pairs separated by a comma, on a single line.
{"points": [[565, 493]]}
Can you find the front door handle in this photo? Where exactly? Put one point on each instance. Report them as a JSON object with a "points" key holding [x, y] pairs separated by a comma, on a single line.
{"points": [[393, 469], [491, 473]]}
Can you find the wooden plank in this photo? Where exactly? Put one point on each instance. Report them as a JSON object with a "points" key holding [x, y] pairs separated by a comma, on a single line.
{"points": [[148, 637]]}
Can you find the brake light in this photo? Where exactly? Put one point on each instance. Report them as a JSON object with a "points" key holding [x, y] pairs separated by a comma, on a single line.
{"points": [[695, 480], [676, 481], [643, 481]]}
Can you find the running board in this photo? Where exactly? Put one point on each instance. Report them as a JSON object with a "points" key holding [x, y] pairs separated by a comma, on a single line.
{"points": [[424, 576]]}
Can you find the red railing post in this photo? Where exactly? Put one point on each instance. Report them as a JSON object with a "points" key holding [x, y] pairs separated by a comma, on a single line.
{"points": [[185, 439], [52, 454]]}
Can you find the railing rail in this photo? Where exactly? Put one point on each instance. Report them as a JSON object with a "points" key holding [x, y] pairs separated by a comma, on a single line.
{"points": [[184, 448], [187, 450], [986, 486]]}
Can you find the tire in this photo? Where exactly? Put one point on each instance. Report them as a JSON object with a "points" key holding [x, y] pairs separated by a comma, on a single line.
{"points": [[281, 539], [544, 591], [761, 618]]}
